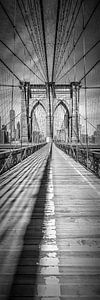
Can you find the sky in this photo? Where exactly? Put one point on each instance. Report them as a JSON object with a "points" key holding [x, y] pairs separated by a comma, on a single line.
{"points": [[64, 72]]}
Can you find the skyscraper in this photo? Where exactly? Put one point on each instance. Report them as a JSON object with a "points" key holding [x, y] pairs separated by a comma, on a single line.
{"points": [[12, 125], [18, 131]]}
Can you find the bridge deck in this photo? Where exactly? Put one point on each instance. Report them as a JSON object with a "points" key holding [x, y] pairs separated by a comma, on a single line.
{"points": [[50, 229]]}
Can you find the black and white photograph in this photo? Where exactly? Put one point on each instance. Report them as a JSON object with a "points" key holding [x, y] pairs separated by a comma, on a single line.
{"points": [[49, 149]]}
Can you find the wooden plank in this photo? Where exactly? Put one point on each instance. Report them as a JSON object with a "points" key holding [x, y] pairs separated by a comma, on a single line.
{"points": [[60, 245]]}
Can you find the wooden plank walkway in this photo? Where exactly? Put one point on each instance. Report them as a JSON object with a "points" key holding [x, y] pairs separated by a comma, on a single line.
{"points": [[57, 214]]}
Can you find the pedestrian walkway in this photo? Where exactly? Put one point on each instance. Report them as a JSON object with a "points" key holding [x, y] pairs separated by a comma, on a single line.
{"points": [[54, 232]]}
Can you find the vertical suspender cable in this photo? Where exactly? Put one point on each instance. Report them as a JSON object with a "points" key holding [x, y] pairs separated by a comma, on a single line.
{"points": [[44, 40], [13, 57], [85, 84], [12, 96], [76, 93], [55, 43]]}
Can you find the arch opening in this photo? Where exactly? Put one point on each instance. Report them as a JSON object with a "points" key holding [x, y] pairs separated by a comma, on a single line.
{"points": [[61, 123], [38, 123]]}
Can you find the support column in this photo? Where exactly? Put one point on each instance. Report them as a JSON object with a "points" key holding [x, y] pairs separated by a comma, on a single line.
{"points": [[24, 131]]}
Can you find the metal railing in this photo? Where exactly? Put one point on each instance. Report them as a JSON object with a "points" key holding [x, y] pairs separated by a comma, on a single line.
{"points": [[10, 158], [79, 153]]}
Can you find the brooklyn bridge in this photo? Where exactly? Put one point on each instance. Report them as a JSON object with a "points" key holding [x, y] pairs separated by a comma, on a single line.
{"points": [[49, 149]]}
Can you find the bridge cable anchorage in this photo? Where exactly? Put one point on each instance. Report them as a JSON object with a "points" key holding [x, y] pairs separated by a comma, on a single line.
{"points": [[85, 26], [30, 32], [55, 43], [65, 34], [19, 36]]}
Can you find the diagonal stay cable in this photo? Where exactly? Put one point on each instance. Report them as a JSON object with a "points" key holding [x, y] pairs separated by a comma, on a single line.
{"points": [[19, 59], [10, 70], [55, 43], [97, 62], [79, 60], [87, 121], [18, 35], [85, 26]]}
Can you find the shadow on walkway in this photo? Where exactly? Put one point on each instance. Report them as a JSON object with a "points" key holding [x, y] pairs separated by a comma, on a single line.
{"points": [[24, 281]]}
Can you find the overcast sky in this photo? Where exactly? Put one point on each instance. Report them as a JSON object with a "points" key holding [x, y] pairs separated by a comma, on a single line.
{"points": [[36, 60]]}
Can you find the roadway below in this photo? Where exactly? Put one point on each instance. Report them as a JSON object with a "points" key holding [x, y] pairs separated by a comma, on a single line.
{"points": [[49, 229]]}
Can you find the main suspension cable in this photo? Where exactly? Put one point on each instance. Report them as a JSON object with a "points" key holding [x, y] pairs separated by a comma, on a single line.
{"points": [[62, 17], [43, 66], [28, 33], [55, 43]]}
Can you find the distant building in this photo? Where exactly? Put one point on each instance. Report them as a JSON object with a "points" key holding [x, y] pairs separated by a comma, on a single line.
{"points": [[61, 135], [12, 125], [83, 138], [91, 139], [96, 135], [98, 128], [36, 136], [66, 120], [4, 135], [18, 131]]}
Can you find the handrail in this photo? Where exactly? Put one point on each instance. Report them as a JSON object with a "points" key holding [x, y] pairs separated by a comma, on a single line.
{"points": [[12, 157]]}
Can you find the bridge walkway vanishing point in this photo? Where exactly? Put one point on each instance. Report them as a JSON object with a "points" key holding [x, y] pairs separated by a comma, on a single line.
{"points": [[49, 229]]}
